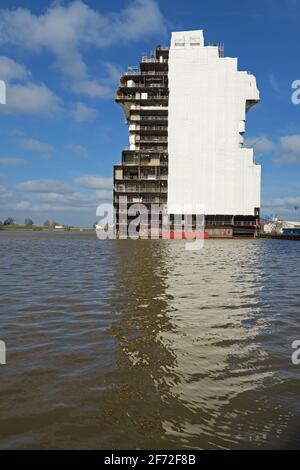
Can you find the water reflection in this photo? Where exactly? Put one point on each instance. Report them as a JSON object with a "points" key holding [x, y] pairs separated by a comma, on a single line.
{"points": [[192, 336], [124, 345], [146, 363]]}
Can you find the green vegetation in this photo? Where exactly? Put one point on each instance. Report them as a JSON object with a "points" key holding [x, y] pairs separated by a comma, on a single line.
{"points": [[19, 227], [48, 225], [10, 224]]}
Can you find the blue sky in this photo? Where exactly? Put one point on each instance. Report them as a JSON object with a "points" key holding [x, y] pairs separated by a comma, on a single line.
{"points": [[61, 131]]}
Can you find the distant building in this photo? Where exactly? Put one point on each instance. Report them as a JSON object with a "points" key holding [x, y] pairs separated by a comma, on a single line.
{"points": [[186, 111], [278, 227]]}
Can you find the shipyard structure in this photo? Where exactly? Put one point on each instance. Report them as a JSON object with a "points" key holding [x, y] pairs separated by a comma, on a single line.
{"points": [[186, 108]]}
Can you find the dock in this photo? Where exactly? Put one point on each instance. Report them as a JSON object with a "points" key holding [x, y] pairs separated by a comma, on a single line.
{"points": [[281, 237]]}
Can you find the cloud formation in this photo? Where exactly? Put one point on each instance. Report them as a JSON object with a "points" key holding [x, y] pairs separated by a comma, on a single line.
{"points": [[36, 146], [64, 31], [49, 198], [289, 150], [78, 150], [260, 144], [92, 182], [10, 161], [283, 206], [24, 96], [11, 70], [45, 186], [33, 99], [83, 113], [284, 151]]}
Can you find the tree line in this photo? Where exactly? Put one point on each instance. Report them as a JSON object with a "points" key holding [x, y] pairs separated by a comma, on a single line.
{"points": [[28, 222]]}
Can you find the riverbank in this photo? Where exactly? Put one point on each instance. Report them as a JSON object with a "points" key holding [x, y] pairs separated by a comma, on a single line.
{"points": [[36, 228], [20, 227], [281, 236]]}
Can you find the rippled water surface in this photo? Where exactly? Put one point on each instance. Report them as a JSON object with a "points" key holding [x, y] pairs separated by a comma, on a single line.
{"points": [[124, 344]]}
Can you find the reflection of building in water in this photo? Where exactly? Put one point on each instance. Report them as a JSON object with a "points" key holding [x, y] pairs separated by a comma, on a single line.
{"points": [[222, 368], [192, 371], [145, 363]]}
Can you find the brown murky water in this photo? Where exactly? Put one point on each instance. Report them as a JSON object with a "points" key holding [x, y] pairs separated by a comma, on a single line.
{"points": [[125, 345]]}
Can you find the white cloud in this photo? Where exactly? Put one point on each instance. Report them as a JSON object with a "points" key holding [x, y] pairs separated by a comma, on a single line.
{"points": [[141, 18], [2, 190], [103, 89], [91, 88], [291, 143], [23, 205], [30, 98], [113, 72], [9, 161], [104, 195], [274, 83], [5, 194], [260, 144], [82, 113], [54, 199], [289, 151], [27, 97], [36, 146], [78, 150], [282, 206], [285, 150], [92, 182], [75, 23], [15, 132], [11, 70], [45, 186], [65, 30], [75, 200], [58, 202], [58, 187]]}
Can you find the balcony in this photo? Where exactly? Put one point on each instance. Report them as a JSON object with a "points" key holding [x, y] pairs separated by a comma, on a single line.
{"points": [[154, 177], [122, 188], [155, 72], [151, 199], [157, 147], [138, 85], [133, 70], [140, 188], [145, 199], [150, 162], [130, 177], [148, 176], [130, 162], [153, 128], [123, 97], [153, 118], [152, 139], [153, 60], [149, 189]]}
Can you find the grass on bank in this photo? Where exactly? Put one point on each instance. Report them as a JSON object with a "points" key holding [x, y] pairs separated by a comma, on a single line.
{"points": [[20, 227], [37, 228]]}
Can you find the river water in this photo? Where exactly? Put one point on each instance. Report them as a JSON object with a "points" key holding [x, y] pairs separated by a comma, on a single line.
{"points": [[144, 345]]}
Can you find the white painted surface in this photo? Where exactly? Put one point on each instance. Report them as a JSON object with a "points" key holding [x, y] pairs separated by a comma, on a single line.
{"points": [[207, 112]]}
